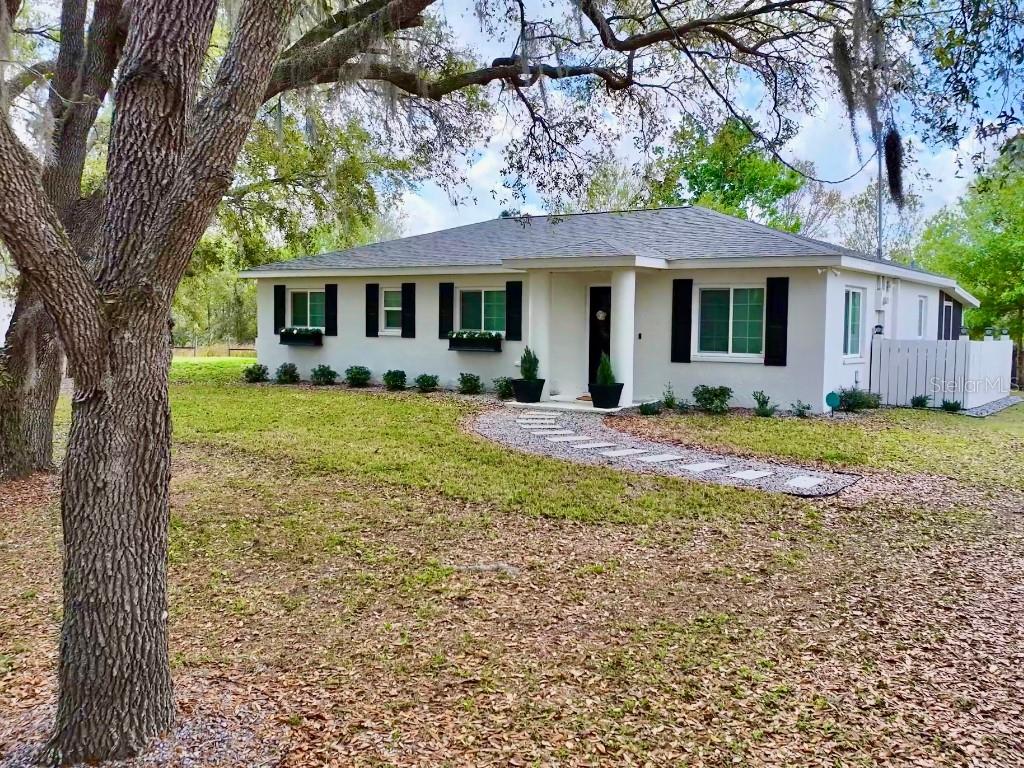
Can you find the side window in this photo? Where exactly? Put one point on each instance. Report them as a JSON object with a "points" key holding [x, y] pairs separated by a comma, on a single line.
{"points": [[391, 303], [482, 310], [308, 309], [852, 322]]}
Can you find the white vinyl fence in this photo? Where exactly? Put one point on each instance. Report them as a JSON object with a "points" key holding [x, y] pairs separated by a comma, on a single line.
{"points": [[971, 372]]}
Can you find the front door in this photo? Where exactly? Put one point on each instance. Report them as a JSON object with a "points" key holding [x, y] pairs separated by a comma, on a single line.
{"points": [[600, 326]]}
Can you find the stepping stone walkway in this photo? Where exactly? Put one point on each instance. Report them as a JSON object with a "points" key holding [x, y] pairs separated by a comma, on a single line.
{"points": [[590, 439]]}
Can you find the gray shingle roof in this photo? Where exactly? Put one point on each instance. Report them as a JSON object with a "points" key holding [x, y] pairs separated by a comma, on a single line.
{"points": [[672, 233]]}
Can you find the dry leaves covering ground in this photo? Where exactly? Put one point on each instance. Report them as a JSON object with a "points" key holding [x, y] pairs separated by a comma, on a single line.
{"points": [[321, 619]]}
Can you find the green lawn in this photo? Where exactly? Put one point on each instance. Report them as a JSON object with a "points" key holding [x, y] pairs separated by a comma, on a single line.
{"points": [[989, 450], [358, 571]]}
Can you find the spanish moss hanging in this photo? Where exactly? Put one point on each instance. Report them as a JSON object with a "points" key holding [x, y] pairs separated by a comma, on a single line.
{"points": [[894, 164]]}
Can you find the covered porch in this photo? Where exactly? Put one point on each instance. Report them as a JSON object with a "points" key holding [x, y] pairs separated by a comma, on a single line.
{"points": [[574, 315]]}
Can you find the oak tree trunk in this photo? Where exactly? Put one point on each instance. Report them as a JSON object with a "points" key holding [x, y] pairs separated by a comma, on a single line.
{"points": [[31, 364], [114, 675]]}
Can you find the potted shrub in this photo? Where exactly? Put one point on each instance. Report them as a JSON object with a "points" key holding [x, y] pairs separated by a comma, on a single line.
{"points": [[528, 388], [605, 392]]}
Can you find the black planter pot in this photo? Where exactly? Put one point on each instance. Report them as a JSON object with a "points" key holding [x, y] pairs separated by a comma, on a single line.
{"points": [[527, 390], [605, 395]]}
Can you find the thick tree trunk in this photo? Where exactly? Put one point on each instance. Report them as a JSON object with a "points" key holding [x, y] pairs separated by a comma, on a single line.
{"points": [[31, 365], [114, 675]]}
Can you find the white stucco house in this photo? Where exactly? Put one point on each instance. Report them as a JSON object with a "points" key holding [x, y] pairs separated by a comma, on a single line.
{"points": [[682, 295]]}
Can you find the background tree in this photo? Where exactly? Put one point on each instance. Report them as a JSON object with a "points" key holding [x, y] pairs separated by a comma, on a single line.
{"points": [[728, 171], [901, 227], [981, 242], [99, 268]]}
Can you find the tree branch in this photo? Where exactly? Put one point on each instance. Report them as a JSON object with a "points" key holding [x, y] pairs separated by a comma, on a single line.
{"points": [[29, 76], [308, 64], [32, 232], [327, 29]]}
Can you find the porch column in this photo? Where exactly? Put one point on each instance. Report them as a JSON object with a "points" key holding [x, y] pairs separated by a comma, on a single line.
{"points": [[624, 330], [538, 291]]}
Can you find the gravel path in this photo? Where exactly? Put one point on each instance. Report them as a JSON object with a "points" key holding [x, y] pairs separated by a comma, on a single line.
{"points": [[585, 438], [994, 407]]}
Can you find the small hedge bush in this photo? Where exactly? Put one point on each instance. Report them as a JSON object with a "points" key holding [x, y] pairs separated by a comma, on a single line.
{"points": [[357, 376], [919, 401], [712, 399], [800, 409], [763, 405], [425, 382], [323, 376], [668, 398], [951, 406], [650, 409], [255, 373], [852, 399], [394, 379], [470, 384], [503, 387], [287, 373]]}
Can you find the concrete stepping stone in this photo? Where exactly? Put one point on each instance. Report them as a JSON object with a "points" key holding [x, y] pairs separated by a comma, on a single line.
{"points": [[659, 458], [528, 424], [704, 466], [569, 439], [751, 474], [624, 452], [589, 446], [552, 432], [804, 481]]}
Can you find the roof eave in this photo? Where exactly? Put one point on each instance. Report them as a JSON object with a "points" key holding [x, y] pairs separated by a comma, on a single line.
{"points": [[261, 274]]}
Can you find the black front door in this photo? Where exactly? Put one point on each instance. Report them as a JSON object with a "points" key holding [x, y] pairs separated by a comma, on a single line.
{"points": [[600, 326]]}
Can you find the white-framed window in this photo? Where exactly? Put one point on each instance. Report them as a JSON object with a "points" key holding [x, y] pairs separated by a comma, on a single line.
{"points": [[391, 310], [730, 321], [308, 309], [853, 322], [482, 309], [922, 315]]}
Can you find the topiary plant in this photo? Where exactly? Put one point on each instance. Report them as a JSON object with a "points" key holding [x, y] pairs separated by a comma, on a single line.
{"points": [[425, 382], [357, 375], [529, 365], [503, 387], [394, 379], [287, 373], [470, 384], [605, 372], [323, 376], [255, 373]]}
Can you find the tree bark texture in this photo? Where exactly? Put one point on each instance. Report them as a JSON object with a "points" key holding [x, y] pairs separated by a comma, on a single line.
{"points": [[31, 364], [114, 675]]}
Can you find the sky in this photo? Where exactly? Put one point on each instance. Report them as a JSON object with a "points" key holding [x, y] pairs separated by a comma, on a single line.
{"points": [[824, 139]]}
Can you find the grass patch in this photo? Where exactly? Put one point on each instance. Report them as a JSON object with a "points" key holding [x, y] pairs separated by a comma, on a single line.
{"points": [[208, 370], [975, 450]]}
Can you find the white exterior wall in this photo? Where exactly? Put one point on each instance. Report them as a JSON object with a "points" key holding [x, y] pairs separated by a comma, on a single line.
{"points": [[903, 324], [840, 370], [426, 353], [570, 329], [800, 378]]}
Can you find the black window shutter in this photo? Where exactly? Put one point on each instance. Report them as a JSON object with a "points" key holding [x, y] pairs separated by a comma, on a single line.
{"points": [[408, 310], [445, 309], [682, 319], [372, 309], [776, 320], [280, 307], [331, 309], [514, 310]]}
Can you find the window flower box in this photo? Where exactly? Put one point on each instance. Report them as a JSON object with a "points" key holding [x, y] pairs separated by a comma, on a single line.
{"points": [[302, 337], [474, 341]]}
